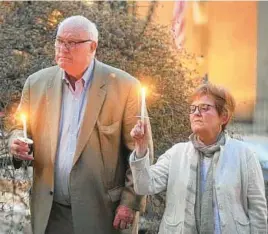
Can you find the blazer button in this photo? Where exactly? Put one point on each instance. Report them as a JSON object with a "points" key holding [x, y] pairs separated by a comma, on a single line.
{"points": [[51, 193]]}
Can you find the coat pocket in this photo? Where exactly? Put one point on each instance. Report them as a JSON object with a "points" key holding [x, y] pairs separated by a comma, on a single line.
{"points": [[167, 228], [242, 226], [115, 193], [108, 129], [170, 215]]}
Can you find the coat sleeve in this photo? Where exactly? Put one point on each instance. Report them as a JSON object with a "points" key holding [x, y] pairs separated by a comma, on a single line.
{"points": [[16, 130], [132, 110], [257, 207], [149, 180]]}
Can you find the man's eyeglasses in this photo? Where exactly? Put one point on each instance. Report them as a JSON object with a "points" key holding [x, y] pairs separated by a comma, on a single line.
{"points": [[202, 108], [69, 44]]}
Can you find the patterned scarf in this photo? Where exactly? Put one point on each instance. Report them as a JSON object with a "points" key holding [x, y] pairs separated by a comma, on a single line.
{"points": [[203, 205]]}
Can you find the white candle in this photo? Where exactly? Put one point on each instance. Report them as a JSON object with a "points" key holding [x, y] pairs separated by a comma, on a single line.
{"points": [[143, 106], [23, 118]]}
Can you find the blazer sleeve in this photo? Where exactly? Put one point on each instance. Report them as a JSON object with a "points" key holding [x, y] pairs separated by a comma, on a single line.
{"points": [[128, 196], [149, 180], [17, 129], [257, 207]]}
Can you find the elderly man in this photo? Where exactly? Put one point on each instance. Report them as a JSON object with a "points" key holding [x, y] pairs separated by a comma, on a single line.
{"points": [[80, 114]]}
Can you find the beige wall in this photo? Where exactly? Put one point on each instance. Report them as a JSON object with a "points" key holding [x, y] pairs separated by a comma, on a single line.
{"points": [[228, 43], [232, 51]]}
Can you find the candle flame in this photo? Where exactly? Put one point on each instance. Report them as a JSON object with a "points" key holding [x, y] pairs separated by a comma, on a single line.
{"points": [[23, 117], [143, 90]]}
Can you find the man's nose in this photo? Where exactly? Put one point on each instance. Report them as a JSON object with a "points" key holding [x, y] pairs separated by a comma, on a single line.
{"points": [[63, 47], [196, 111]]}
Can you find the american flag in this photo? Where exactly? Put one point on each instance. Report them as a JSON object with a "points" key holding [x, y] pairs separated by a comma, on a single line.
{"points": [[178, 22]]}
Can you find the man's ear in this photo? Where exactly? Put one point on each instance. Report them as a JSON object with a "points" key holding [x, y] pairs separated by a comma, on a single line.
{"points": [[93, 46]]}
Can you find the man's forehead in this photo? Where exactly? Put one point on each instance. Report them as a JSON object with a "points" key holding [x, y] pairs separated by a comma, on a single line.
{"points": [[67, 31]]}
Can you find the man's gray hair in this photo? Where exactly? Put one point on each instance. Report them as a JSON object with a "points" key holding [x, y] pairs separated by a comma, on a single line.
{"points": [[79, 21]]}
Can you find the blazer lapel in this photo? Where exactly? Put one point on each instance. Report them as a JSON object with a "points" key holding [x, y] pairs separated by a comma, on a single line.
{"points": [[53, 98], [95, 98]]}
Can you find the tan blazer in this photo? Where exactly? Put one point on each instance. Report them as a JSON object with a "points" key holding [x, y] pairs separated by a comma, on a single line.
{"points": [[100, 179]]}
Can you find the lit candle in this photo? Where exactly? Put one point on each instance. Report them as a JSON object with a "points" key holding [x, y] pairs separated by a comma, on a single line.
{"points": [[143, 106], [23, 118]]}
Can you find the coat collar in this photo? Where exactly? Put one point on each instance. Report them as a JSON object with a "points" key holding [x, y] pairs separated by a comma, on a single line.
{"points": [[95, 98], [53, 100]]}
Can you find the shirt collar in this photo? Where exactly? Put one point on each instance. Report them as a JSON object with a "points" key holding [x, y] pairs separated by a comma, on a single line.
{"points": [[86, 76]]}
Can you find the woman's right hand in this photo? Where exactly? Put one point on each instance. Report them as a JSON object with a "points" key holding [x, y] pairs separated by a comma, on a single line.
{"points": [[140, 135]]}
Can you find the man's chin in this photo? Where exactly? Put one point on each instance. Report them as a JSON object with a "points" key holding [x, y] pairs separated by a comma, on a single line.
{"points": [[64, 65]]}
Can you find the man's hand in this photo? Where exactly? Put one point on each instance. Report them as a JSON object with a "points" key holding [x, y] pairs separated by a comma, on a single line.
{"points": [[20, 150], [124, 217]]}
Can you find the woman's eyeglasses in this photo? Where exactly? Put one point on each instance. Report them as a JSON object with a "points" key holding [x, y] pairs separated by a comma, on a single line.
{"points": [[202, 108]]}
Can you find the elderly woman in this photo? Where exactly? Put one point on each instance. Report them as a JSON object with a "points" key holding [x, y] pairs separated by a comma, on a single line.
{"points": [[214, 183]]}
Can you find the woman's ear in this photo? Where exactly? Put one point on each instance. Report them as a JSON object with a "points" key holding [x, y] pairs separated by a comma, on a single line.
{"points": [[225, 117]]}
